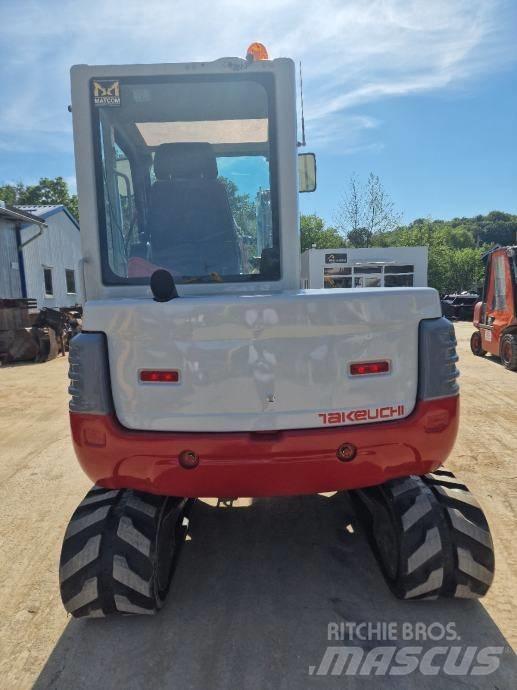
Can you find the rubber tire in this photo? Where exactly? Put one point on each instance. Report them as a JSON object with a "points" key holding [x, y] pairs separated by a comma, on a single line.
{"points": [[119, 552], [471, 541], [475, 344], [511, 362], [408, 508], [441, 545]]}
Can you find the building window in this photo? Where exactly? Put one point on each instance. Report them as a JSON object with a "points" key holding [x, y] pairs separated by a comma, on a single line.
{"points": [[337, 271], [371, 281], [367, 269], [409, 268], [70, 281], [337, 282], [368, 275], [47, 277], [399, 280], [399, 276]]}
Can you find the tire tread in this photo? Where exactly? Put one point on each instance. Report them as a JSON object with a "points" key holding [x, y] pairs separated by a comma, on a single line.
{"points": [[108, 558], [443, 539]]}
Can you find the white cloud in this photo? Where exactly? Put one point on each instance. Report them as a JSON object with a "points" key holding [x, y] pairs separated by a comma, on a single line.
{"points": [[353, 53], [345, 133]]}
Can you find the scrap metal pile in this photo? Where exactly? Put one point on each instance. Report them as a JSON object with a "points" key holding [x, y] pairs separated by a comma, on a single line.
{"points": [[31, 334]]}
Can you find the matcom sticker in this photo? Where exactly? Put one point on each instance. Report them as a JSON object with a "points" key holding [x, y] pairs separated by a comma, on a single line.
{"points": [[106, 93]]}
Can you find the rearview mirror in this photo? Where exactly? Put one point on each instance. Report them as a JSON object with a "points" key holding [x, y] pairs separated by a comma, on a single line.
{"points": [[306, 172]]}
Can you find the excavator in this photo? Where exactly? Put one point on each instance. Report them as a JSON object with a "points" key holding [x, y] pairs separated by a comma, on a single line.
{"points": [[204, 370], [495, 316]]}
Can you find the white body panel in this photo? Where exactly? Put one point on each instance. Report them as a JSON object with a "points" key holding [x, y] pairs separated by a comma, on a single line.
{"points": [[261, 362]]}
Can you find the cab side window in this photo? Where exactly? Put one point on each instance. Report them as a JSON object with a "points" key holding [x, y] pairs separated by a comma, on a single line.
{"points": [[499, 301]]}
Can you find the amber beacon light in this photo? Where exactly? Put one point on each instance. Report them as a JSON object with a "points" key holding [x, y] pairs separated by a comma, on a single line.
{"points": [[257, 51]]}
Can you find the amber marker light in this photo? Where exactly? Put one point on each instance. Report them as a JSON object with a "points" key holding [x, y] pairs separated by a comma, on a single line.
{"points": [[257, 51]]}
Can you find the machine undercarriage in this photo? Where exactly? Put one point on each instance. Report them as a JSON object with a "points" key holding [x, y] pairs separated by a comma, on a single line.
{"points": [[428, 533]]}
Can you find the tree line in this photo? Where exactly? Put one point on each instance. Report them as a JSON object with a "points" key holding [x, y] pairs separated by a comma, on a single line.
{"points": [[46, 191]]}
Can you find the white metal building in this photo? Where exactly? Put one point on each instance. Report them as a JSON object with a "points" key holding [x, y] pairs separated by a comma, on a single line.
{"points": [[11, 220], [42, 254], [364, 267]]}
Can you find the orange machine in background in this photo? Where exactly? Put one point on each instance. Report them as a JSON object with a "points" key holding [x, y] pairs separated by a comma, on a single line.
{"points": [[495, 317]]}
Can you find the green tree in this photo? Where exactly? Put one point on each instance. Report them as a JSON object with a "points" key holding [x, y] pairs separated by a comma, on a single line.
{"points": [[10, 193], [366, 211], [459, 237], [47, 191], [454, 260], [439, 268], [467, 268], [313, 233], [243, 211], [360, 237]]}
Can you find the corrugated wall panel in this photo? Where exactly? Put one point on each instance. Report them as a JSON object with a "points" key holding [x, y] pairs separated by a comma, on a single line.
{"points": [[10, 285], [57, 248]]}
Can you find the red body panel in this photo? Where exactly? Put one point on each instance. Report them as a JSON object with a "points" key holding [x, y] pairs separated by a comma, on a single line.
{"points": [[300, 461]]}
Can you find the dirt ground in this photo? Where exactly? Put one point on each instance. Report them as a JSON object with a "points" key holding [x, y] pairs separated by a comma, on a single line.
{"points": [[256, 586]]}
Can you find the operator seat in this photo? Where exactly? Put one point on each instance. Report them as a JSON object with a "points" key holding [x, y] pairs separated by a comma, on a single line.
{"points": [[191, 226]]}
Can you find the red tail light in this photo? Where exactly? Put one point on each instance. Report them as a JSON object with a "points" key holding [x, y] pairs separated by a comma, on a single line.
{"points": [[366, 368], [160, 376]]}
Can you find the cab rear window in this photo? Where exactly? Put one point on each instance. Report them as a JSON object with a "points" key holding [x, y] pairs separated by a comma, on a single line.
{"points": [[185, 176]]}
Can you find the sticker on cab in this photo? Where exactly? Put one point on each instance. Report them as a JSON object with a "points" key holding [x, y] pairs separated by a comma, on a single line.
{"points": [[106, 93]]}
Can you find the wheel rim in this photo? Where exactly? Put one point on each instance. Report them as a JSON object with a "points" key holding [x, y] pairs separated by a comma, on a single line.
{"points": [[387, 544], [506, 351], [476, 343], [166, 546]]}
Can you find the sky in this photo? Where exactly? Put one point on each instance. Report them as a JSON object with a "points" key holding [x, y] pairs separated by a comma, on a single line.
{"points": [[422, 93]]}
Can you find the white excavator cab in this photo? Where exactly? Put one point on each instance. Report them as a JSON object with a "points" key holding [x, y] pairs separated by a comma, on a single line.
{"points": [[192, 168]]}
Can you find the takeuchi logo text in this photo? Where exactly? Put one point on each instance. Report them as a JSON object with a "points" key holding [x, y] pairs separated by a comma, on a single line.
{"points": [[366, 414]]}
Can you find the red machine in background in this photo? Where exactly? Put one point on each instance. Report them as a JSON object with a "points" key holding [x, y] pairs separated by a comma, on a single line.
{"points": [[495, 317]]}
